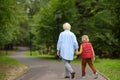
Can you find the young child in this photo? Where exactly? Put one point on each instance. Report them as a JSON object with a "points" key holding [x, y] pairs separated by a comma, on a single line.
{"points": [[87, 55]]}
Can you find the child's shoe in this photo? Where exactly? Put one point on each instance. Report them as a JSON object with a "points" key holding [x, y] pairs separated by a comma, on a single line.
{"points": [[83, 77], [95, 75]]}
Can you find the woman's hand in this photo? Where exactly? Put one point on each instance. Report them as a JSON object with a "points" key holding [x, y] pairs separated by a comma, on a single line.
{"points": [[58, 53], [77, 52]]}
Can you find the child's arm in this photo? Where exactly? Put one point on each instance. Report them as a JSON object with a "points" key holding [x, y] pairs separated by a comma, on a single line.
{"points": [[93, 59], [80, 51], [93, 52]]}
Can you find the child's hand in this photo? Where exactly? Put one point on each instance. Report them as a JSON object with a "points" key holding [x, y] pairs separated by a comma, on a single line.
{"points": [[77, 53]]}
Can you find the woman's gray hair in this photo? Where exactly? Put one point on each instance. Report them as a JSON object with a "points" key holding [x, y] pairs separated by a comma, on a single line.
{"points": [[66, 26]]}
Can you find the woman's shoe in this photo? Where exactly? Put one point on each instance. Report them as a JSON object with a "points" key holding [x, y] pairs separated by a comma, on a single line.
{"points": [[67, 77], [73, 75]]}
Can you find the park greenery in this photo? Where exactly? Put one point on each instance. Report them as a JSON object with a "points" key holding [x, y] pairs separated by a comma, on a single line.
{"points": [[37, 24]]}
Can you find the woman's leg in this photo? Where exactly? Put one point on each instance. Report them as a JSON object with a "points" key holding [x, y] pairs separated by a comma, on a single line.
{"points": [[67, 72], [68, 68]]}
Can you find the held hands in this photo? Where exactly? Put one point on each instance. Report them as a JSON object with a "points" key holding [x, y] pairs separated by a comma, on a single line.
{"points": [[77, 52]]}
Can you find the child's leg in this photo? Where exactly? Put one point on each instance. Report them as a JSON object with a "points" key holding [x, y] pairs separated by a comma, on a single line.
{"points": [[91, 65], [93, 68], [83, 66]]}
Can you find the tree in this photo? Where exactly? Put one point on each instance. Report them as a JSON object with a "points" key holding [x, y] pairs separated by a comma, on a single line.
{"points": [[8, 28], [51, 18], [97, 20], [116, 29]]}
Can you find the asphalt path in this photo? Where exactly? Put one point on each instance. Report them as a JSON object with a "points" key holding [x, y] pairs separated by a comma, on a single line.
{"points": [[42, 69]]}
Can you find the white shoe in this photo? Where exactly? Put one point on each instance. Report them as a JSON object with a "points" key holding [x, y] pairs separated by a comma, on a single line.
{"points": [[96, 75], [83, 77]]}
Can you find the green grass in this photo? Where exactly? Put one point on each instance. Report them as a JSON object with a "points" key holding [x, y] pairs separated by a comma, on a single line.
{"points": [[44, 56], [108, 67], [10, 67]]}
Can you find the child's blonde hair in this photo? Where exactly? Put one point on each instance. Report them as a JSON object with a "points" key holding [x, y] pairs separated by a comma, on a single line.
{"points": [[85, 38]]}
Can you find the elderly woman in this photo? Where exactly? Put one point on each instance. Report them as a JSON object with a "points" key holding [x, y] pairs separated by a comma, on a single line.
{"points": [[66, 46]]}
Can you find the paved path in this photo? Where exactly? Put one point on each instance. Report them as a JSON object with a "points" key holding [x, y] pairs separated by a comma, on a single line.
{"points": [[42, 69]]}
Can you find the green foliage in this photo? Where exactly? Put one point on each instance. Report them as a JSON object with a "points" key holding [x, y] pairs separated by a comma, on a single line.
{"points": [[51, 18], [42, 20], [98, 21], [95, 18], [8, 27]]}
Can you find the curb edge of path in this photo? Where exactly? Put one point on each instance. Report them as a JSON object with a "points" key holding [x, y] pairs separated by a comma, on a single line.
{"points": [[23, 72], [103, 76]]}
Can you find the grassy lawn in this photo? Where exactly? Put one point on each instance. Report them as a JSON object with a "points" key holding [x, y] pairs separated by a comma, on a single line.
{"points": [[108, 67], [10, 68]]}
